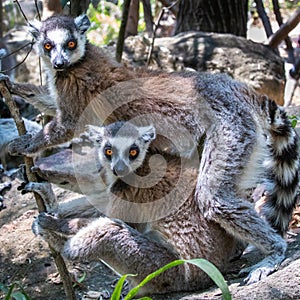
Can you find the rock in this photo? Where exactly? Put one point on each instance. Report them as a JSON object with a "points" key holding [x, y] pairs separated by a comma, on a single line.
{"points": [[253, 63]]}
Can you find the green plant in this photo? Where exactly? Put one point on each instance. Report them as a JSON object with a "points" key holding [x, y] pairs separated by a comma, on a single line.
{"points": [[14, 291], [203, 264], [294, 120]]}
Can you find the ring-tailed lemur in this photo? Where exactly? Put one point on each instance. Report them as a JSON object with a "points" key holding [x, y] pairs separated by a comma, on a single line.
{"points": [[246, 138], [183, 233]]}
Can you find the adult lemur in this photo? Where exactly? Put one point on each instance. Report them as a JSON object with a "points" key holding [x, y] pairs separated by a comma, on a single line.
{"points": [[143, 247], [246, 138]]}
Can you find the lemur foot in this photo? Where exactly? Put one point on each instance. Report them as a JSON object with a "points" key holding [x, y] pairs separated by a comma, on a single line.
{"points": [[46, 223], [44, 189], [49, 228], [262, 269], [22, 146]]}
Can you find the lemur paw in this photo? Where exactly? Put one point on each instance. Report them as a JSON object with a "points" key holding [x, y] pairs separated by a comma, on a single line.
{"points": [[260, 270], [43, 223], [44, 189], [22, 146], [259, 274], [7, 81]]}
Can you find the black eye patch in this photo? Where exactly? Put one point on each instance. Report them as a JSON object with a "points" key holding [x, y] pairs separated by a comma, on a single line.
{"points": [[134, 152]]}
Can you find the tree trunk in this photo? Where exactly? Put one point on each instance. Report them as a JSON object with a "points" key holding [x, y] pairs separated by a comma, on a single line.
{"points": [[222, 16], [133, 18], [148, 16], [50, 8], [78, 7]]}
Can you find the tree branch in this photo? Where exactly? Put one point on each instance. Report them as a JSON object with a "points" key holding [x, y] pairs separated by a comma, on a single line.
{"points": [[284, 29], [60, 264], [121, 37], [264, 17]]}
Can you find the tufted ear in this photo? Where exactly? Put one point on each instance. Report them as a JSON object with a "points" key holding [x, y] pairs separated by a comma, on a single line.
{"points": [[34, 28], [148, 133], [95, 133], [82, 23]]}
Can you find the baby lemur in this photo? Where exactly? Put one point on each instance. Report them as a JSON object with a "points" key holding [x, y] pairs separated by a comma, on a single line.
{"points": [[243, 138], [180, 233]]}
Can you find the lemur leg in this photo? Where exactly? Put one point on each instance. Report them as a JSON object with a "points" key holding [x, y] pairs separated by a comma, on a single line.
{"points": [[219, 199], [54, 133], [44, 189], [123, 248], [57, 231]]}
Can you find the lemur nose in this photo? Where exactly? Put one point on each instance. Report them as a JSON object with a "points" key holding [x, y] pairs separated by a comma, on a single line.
{"points": [[59, 65], [120, 169]]}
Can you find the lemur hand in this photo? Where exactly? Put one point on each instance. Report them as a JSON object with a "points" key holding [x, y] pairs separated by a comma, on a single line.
{"points": [[22, 145], [7, 81]]}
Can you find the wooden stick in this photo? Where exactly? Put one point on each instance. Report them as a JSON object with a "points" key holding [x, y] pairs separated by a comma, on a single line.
{"points": [[59, 261], [284, 29], [264, 17], [121, 37]]}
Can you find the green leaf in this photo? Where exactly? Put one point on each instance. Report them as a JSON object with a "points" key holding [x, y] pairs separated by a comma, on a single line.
{"points": [[20, 296], [119, 286], [203, 264], [212, 271], [3, 288], [293, 120], [135, 290], [80, 280], [8, 295], [294, 123]]}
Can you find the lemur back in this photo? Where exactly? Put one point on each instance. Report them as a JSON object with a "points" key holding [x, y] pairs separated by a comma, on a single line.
{"points": [[243, 139]]}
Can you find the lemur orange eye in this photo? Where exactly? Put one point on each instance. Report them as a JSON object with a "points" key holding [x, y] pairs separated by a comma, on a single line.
{"points": [[133, 152], [71, 44], [47, 46], [108, 152]]}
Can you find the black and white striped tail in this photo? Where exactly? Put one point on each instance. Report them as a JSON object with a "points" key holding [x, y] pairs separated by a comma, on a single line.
{"points": [[282, 168]]}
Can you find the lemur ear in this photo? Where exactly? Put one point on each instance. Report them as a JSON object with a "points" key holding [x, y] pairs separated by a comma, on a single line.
{"points": [[82, 22], [95, 133], [148, 133], [34, 28]]}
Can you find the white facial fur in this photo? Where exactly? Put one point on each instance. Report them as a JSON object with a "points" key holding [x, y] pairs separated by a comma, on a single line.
{"points": [[60, 56], [60, 38], [121, 163]]}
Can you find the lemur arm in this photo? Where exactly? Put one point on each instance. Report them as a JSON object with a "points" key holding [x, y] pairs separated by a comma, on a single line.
{"points": [[38, 96], [53, 134]]}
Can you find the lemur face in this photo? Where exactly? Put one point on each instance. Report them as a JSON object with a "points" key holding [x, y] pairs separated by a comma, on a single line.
{"points": [[122, 146], [60, 40]]}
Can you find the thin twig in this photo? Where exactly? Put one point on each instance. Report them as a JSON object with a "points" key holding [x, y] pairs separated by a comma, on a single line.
{"points": [[288, 42], [21, 10], [37, 9], [60, 264], [156, 25], [23, 60], [161, 14]]}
